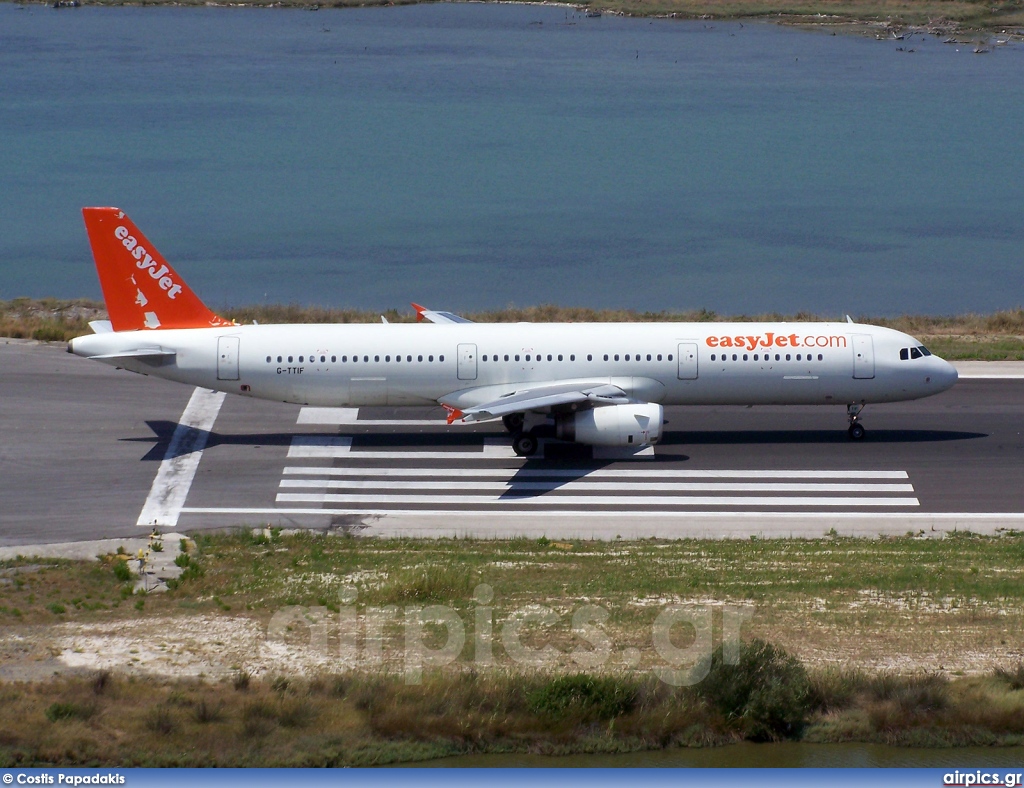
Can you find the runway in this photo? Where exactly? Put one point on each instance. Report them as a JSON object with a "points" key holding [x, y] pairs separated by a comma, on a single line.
{"points": [[88, 452]]}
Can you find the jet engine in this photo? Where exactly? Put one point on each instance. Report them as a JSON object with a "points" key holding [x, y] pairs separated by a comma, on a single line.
{"points": [[612, 425]]}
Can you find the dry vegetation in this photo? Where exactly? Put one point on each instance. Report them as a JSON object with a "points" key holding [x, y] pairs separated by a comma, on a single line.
{"points": [[995, 337], [904, 640]]}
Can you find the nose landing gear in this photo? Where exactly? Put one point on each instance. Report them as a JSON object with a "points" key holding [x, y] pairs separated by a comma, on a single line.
{"points": [[856, 430]]}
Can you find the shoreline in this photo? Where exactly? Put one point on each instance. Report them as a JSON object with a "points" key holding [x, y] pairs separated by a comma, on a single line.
{"points": [[881, 18]]}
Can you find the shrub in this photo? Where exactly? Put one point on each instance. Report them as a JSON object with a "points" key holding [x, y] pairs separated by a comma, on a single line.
{"points": [[584, 696], [1013, 676], [56, 608], [121, 571], [69, 711], [207, 712], [161, 720], [182, 560], [767, 695], [241, 680]]}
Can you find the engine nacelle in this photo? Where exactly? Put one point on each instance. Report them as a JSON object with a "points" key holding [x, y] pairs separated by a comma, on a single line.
{"points": [[612, 425]]}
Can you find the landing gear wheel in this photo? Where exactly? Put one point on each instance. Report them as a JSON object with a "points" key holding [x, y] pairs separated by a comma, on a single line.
{"points": [[524, 444], [514, 422], [856, 431]]}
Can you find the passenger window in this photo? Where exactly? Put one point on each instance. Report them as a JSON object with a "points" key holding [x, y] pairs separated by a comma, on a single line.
{"points": [[572, 357], [408, 359], [268, 359], [506, 356], [323, 359], [745, 357], [549, 357], [485, 357], [419, 358], [755, 357], [789, 357], [290, 359], [559, 356], [430, 358], [712, 356], [527, 356], [387, 358], [398, 359], [659, 357], [440, 358], [915, 353], [589, 357], [798, 356], [648, 356], [517, 357], [605, 356], [669, 356], [820, 357], [278, 359]]}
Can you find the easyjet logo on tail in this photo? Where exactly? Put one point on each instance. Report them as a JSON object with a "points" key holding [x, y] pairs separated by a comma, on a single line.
{"points": [[771, 339], [145, 262]]}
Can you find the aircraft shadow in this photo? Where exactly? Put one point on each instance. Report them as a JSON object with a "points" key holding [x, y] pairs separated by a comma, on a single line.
{"points": [[753, 437]]}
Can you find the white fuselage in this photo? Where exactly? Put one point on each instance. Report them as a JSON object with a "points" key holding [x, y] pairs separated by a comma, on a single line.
{"points": [[466, 364]]}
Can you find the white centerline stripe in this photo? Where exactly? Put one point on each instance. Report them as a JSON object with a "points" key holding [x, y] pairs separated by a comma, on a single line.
{"points": [[576, 486], [354, 470], [308, 446], [178, 468], [350, 417], [593, 500]]}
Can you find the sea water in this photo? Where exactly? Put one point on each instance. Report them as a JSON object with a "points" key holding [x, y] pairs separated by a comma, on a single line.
{"points": [[470, 156]]}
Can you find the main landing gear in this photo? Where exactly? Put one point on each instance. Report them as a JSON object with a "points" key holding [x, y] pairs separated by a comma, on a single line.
{"points": [[856, 430], [514, 422], [524, 444]]}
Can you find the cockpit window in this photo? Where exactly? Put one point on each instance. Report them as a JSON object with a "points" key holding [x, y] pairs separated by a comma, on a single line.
{"points": [[904, 353], [924, 350], [915, 353]]}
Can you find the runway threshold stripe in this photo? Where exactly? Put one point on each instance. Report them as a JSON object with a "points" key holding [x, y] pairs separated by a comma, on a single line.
{"points": [[309, 446], [592, 500], [599, 486], [178, 468], [966, 517], [621, 473]]}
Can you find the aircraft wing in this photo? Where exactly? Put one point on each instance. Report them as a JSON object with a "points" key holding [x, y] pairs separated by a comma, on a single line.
{"points": [[422, 313], [540, 397]]}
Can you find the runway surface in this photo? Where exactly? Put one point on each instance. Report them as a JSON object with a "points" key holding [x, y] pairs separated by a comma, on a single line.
{"points": [[88, 452]]}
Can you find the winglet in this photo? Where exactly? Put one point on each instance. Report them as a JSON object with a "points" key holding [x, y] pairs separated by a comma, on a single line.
{"points": [[454, 414], [420, 312], [140, 288]]}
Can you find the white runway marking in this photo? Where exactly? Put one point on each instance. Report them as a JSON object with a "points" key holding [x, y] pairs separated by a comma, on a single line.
{"points": [[178, 468], [594, 500], [350, 416], [514, 485], [622, 473], [319, 446]]}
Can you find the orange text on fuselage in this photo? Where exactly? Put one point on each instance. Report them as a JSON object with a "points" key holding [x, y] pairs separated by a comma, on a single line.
{"points": [[771, 339]]}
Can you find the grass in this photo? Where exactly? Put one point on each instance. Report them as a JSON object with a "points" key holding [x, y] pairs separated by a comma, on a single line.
{"points": [[993, 337], [361, 719], [917, 603]]}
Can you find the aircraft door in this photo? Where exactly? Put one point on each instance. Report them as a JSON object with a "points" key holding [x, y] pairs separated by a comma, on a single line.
{"points": [[467, 362], [687, 360], [863, 356], [227, 358]]}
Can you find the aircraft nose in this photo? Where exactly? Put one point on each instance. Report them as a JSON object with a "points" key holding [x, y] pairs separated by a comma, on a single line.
{"points": [[945, 374]]}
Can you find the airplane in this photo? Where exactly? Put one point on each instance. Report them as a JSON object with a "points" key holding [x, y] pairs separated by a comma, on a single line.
{"points": [[602, 384]]}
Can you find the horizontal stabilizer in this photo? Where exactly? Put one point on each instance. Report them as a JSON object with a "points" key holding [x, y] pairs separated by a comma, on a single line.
{"points": [[101, 326], [422, 313], [142, 353]]}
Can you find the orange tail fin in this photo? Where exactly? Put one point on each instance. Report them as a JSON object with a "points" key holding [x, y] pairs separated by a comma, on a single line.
{"points": [[140, 287]]}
